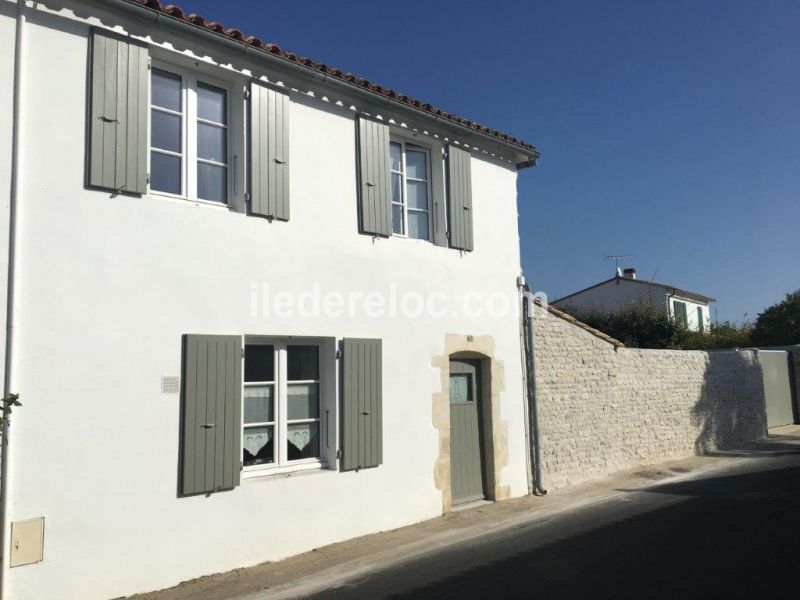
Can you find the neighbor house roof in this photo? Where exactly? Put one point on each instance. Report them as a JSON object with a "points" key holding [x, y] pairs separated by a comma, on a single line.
{"points": [[670, 288], [357, 82]]}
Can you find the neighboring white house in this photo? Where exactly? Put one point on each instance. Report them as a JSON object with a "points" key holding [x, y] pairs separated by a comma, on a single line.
{"points": [[687, 308], [239, 278]]}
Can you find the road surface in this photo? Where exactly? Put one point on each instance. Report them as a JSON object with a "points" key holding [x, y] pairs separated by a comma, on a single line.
{"points": [[732, 534]]}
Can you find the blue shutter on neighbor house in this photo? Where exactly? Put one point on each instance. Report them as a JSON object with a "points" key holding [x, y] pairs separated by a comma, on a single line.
{"points": [[459, 198], [269, 152], [211, 399], [374, 191], [117, 153], [362, 404]]}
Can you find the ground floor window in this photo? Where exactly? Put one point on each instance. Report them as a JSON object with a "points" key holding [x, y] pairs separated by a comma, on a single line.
{"points": [[281, 404]]}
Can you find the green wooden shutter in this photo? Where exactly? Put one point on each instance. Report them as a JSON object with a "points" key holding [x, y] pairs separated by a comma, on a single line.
{"points": [[211, 390], [362, 410], [374, 191], [459, 198], [700, 321], [119, 100], [269, 152]]}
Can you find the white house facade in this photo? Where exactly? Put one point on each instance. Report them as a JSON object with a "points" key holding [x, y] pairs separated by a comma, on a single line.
{"points": [[252, 303], [687, 308]]}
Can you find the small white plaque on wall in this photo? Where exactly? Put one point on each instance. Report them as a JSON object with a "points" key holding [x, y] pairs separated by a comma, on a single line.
{"points": [[170, 384]]}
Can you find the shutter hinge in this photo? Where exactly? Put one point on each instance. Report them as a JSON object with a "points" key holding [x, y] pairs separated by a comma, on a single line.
{"points": [[149, 63]]}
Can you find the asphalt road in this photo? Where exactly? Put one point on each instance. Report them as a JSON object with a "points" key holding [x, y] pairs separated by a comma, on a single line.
{"points": [[734, 534]]}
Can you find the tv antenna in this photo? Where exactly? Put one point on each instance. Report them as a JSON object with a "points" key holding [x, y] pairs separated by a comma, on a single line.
{"points": [[616, 258]]}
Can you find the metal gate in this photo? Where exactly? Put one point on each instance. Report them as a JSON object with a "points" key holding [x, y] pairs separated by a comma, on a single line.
{"points": [[776, 370]]}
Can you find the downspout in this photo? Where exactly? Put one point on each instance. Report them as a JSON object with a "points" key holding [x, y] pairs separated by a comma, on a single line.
{"points": [[533, 404], [523, 355], [6, 472]]}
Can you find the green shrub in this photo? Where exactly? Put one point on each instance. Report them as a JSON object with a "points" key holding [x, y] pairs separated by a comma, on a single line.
{"points": [[779, 325]]}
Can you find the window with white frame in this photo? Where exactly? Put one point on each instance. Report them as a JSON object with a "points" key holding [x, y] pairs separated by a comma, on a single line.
{"points": [[189, 137], [281, 404], [411, 190]]}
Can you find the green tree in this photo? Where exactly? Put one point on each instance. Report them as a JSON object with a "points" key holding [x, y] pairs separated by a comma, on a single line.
{"points": [[779, 325]]}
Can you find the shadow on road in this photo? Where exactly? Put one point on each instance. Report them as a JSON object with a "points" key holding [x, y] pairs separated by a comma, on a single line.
{"points": [[731, 536]]}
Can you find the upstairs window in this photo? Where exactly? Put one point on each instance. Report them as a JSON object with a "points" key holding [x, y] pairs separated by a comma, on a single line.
{"points": [[411, 190], [189, 137]]}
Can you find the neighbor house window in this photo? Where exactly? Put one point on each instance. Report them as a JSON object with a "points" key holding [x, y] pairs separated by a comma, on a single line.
{"points": [[189, 138], [281, 404], [411, 190], [681, 316]]}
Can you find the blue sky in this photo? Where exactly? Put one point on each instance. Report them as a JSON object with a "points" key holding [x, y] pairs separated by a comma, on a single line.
{"points": [[669, 130]]}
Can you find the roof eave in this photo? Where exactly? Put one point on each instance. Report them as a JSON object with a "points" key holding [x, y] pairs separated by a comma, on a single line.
{"points": [[526, 156]]}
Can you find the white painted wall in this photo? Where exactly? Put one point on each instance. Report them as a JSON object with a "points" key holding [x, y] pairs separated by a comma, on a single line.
{"points": [[620, 292], [108, 285]]}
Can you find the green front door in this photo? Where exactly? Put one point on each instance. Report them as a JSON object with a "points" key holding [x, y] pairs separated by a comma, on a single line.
{"points": [[466, 440]]}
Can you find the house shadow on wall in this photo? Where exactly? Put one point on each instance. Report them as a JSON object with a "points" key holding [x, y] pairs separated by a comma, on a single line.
{"points": [[731, 411]]}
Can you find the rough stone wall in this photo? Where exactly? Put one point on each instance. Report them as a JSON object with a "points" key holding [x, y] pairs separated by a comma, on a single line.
{"points": [[604, 409]]}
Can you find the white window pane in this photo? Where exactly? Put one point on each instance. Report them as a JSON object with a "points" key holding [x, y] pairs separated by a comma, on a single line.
{"points": [[397, 187], [416, 164], [211, 142], [165, 173], [258, 404], [211, 103], [396, 156], [417, 195], [258, 445], [303, 401], [165, 132], [212, 182], [166, 90], [397, 219], [302, 440], [418, 225]]}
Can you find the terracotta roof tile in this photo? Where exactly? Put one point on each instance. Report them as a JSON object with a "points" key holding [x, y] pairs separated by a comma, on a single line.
{"points": [[198, 21]]}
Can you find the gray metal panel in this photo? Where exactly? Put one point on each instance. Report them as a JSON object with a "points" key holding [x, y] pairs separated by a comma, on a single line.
{"points": [[459, 198], [118, 114], [776, 370], [269, 152], [362, 405], [374, 185], [211, 413]]}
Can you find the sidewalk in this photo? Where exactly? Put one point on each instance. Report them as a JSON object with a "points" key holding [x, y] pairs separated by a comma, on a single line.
{"points": [[333, 565]]}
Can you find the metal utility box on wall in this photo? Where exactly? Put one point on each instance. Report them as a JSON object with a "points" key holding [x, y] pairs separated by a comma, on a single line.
{"points": [[27, 542]]}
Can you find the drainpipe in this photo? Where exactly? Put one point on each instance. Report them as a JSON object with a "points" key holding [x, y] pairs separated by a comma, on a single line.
{"points": [[6, 475], [533, 405]]}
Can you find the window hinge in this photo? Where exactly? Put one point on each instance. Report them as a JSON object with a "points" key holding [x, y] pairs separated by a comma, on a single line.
{"points": [[339, 354], [242, 352], [247, 196], [246, 93], [148, 179], [149, 63], [339, 453]]}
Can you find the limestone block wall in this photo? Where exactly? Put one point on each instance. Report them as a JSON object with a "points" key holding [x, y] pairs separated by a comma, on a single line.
{"points": [[605, 408]]}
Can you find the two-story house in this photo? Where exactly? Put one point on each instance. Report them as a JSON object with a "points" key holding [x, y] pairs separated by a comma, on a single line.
{"points": [[255, 304], [689, 309]]}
